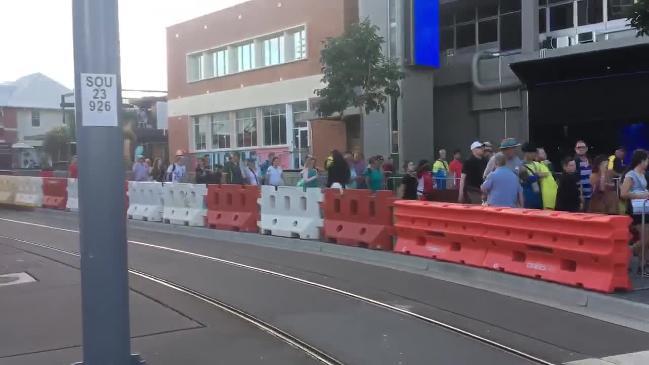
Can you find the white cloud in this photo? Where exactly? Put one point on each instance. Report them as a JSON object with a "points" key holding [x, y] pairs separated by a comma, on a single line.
{"points": [[36, 36]]}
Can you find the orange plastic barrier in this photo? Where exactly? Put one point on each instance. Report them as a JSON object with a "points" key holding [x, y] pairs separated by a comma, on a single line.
{"points": [[233, 207], [582, 250], [442, 231], [55, 193], [359, 218]]}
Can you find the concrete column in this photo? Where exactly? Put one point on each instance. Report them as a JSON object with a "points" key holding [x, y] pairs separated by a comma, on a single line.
{"points": [[530, 26]]}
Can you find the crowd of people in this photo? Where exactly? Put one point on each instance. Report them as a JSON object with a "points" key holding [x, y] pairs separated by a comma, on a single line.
{"points": [[603, 184]]}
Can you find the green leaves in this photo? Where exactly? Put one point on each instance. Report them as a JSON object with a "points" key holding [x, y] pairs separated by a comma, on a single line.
{"points": [[56, 142], [639, 17], [356, 72]]}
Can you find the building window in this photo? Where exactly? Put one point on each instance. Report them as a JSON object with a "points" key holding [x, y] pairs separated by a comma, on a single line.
{"points": [[299, 43], [590, 12], [221, 62], [488, 31], [195, 67], [220, 130], [487, 10], [200, 132], [561, 16], [543, 14], [510, 31], [246, 56], [36, 118], [393, 28], [274, 125], [446, 39], [274, 51], [618, 9], [246, 122], [508, 6], [465, 35]]}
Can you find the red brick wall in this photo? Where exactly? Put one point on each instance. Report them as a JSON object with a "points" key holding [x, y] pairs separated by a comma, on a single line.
{"points": [[323, 19], [178, 135]]}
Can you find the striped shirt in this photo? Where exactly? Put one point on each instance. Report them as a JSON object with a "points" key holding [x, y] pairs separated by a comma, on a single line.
{"points": [[585, 170]]}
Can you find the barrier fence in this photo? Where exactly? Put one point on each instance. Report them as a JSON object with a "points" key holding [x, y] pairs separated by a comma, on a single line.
{"points": [[583, 250]]}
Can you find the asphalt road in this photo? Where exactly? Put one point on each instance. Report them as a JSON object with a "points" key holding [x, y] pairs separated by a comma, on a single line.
{"points": [[352, 331]]}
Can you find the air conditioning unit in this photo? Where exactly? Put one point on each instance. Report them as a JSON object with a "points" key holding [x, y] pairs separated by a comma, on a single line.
{"points": [[561, 42], [586, 37]]}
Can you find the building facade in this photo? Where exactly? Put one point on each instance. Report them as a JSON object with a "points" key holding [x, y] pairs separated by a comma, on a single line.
{"points": [[242, 79], [552, 71], [29, 108]]}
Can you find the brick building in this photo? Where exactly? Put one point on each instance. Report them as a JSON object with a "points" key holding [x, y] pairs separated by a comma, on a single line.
{"points": [[243, 79]]}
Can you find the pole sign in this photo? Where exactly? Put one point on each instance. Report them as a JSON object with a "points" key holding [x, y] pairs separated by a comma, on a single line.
{"points": [[425, 33], [99, 100]]}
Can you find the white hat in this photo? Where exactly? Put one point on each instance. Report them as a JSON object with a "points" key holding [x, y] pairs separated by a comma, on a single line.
{"points": [[476, 144]]}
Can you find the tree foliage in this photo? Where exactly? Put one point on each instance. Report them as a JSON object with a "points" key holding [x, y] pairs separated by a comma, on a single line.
{"points": [[56, 143], [356, 73], [639, 17]]}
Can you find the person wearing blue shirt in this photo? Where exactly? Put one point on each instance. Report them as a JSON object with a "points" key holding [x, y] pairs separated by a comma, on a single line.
{"points": [[502, 186]]}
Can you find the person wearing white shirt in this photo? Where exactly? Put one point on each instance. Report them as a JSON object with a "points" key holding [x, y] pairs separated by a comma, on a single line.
{"points": [[176, 171], [274, 175], [252, 177]]}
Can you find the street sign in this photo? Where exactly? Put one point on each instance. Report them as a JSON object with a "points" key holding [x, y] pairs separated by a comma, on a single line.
{"points": [[99, 100]]}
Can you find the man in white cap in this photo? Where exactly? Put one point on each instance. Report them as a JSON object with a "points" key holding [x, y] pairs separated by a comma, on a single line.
{"points": [[471, 179], [177, 171]]}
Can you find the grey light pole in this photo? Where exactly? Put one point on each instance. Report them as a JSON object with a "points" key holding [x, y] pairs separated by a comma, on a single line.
{"points": [[102, 201]]}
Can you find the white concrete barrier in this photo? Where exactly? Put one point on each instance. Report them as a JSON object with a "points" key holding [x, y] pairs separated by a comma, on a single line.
{"points": [[29, 191], [291, 212], [184, 204], [145, 201], [7, 189], [73, 195]]}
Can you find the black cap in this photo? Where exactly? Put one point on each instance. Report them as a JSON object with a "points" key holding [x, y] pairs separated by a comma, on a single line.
{"points": [[528, 147]]}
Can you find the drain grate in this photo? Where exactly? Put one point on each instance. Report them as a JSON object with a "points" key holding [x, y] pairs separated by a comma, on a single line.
{"points": [[16, 279]]}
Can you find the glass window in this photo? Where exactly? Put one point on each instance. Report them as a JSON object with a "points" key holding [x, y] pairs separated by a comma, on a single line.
{"points": [[274, 51], [299, 43], [487, 10], [222, 62], [36, 118], [561, 16], [542, 20], [274, 125], [508, 6], [465, 15], [618, 9], [393, 28], [195, 67], [200, 135], [465, 35], [247, 128], [488, 31], [445, 15], [446, 39], [246, 56], [221, 130], [510, 31], [590, 12]]}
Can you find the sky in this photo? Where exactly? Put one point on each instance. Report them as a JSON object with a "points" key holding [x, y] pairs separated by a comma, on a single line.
{"points": [[36, 36]]}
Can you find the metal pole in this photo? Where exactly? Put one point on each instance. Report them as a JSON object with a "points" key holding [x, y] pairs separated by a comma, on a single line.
{"points": [[102, 203], [642, 239]]}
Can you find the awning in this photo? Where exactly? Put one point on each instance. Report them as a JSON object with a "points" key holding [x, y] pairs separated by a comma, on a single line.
{"points": [[626, 61], [602, 85]]}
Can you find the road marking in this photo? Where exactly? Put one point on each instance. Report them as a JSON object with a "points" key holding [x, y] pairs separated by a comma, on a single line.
{"points": [[320, 286], [16, 279], [636, 358]]}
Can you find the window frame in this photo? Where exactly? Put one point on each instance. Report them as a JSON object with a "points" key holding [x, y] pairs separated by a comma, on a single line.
{"points": [[250, 117], [35, 116], [274, 117], [220, 119]]}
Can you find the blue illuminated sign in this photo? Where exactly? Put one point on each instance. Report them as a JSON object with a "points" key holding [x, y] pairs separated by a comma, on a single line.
{"points": [[425, 33]]}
